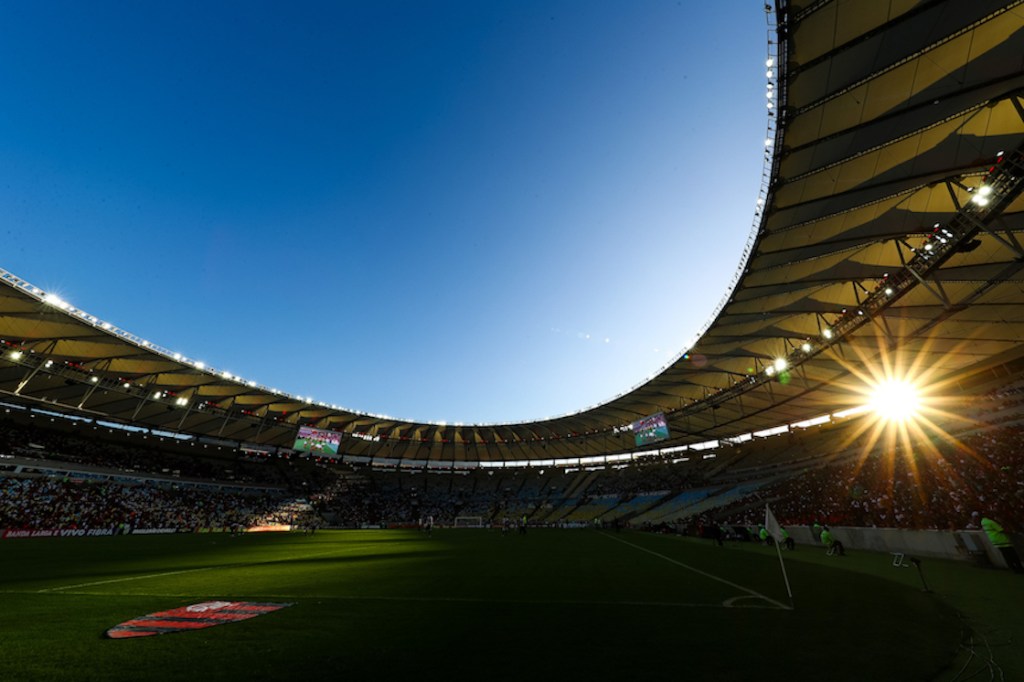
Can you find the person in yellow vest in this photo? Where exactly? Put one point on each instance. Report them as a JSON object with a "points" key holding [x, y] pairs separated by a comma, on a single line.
{"points": [[785, 540], [835, 547], [1001, 541]]}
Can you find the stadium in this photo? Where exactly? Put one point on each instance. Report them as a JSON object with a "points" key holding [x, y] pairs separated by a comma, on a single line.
{"points": [[863, 375]]}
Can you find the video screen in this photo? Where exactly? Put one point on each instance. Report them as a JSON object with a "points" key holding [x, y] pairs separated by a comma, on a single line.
{"points": [[317, 441], [650, 429]]}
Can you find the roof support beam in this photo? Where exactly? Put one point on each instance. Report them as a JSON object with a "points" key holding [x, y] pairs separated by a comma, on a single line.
{"points": [[1010, 241], [35, 370], [103, 367]]}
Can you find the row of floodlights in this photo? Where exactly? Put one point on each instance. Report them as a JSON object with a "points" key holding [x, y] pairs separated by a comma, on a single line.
{"points": [[780, 365], [981, 196], [59, 303]]}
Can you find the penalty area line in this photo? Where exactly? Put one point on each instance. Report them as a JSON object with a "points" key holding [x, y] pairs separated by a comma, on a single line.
{"points": [[710, 576]]}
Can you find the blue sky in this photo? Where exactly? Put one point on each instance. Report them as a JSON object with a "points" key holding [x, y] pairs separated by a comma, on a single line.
{"points": [[446, 211]]}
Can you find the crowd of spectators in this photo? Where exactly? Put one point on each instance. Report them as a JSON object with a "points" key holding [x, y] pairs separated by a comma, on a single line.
{"points": [[936, 485], [117, 452], [50, 503]]}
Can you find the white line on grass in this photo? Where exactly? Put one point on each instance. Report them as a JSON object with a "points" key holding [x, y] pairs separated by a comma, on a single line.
{"points": [[700, 572], [187, 570], [122, 580], [363, 597]]}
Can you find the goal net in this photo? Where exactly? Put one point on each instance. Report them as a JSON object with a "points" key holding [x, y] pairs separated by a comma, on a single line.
{"points": [[469, 522]]}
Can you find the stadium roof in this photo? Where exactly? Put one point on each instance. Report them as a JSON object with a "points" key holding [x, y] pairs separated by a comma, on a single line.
{"points": [[889, 232]]}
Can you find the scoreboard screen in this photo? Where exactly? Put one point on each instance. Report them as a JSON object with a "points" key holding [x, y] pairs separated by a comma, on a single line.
{"points": [[650, 429], [317, 441]]}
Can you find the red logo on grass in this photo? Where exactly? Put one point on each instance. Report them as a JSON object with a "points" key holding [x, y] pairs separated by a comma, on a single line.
{"points": [[194, 617]]}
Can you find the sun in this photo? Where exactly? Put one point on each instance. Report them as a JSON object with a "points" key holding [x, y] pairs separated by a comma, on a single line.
{"points": [[895, 400]]}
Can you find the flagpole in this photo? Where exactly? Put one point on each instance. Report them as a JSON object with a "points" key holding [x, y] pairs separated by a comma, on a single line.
{"points": [[773, 528], [784, 576]]}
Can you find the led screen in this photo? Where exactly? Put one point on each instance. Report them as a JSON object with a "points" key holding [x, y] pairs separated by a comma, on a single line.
{"points": [[650, 429], [317, 441]]}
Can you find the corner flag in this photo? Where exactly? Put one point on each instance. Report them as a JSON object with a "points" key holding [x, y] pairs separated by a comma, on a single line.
{"points": [[772, 525]]}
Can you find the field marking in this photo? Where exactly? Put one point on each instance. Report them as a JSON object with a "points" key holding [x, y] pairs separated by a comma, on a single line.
{"points": [[166, 573], [121, 580], [727, 603], [353, 597]]}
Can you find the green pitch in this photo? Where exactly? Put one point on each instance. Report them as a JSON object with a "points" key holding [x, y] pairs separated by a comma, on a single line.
{"points": [[463, 605]]}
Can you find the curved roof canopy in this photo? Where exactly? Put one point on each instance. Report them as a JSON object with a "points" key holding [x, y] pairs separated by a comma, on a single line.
{"points": [[890, 232]]}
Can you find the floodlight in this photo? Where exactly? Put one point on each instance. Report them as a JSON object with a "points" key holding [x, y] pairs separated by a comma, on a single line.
{"points": [[827, 333], [780, 364], [769, 370], [16, 355], [55, 301], [806, 347]]}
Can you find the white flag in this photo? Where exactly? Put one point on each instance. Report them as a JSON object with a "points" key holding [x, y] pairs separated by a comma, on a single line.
{"points": [[771, 524]]}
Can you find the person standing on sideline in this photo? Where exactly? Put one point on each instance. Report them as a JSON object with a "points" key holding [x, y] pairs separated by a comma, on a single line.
{"points": [[1001, 541]]}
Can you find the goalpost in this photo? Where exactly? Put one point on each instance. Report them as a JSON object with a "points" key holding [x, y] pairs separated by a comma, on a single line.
{"points": [[469, 522]]}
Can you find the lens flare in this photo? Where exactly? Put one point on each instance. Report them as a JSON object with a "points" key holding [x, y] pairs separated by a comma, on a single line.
{"points": [[895, 400]]}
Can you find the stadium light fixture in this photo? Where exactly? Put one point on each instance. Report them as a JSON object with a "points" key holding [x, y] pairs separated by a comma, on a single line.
{"points": [[17, 355], [806, 347], [981, 196], [94, 380], [888, 291], [770, 370], [56, 301], [827, 333], [780, 364]]}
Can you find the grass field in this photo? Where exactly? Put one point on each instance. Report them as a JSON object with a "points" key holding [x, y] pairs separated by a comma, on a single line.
{"points": [[474, 604]]}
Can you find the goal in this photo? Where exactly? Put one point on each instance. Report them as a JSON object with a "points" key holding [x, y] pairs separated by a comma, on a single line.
{"points": [[469, 522]]}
